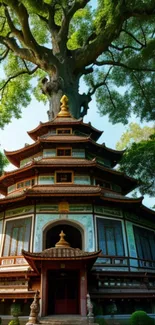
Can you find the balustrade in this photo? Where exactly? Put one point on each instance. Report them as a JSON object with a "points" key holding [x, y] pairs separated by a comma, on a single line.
{"points": [[125, 261]]}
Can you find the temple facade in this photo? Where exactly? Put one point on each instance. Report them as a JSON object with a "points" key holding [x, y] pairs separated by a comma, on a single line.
{"points": [[68, 228]]}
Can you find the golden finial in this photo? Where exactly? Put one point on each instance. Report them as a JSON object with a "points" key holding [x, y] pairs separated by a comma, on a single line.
{"points": [[64, 109], [62, 242]]}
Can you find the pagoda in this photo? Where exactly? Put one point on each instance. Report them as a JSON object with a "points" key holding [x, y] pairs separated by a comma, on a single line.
{"points": [[66, 185]]}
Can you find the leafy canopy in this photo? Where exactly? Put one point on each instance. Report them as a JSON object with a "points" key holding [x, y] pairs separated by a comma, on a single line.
{"points": [[139, 158], [111, 45], [3, 163]]}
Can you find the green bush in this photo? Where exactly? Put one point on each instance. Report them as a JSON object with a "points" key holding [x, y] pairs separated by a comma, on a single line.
{"points": [[14, 322], [97, 309], [140, 318], [15, 310], [100, 321]]}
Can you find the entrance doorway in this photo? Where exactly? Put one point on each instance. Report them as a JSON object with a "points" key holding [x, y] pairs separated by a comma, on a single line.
{"points": [[73, 236], [63, 292]]}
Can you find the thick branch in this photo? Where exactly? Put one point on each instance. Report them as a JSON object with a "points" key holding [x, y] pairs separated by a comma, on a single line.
{"points": [[119, 64], [23, 17], [126, 47], [88, 54], [21, 52], [13, 29], [99, 84]]}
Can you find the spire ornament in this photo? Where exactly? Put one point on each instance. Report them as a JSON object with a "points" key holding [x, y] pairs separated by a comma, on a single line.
{"points": [[62, 242], [64, 109]]}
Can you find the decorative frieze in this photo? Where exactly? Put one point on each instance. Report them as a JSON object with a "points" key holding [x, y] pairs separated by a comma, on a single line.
{"points": [[19, 211], [138, 219], [108, 211], [47, 207], [80, 208]]}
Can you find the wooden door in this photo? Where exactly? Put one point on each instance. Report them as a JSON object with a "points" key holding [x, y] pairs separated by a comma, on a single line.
{"points": [[66, 296], [64, 290]]}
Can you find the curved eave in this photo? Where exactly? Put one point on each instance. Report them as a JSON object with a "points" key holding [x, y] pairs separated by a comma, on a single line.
{"points": [[16, 156], [44, 192], [33, 258], [127, 183], [113, 197], [68, 191], [52, 191], [12, 177], [39, 256], [43, 128]]}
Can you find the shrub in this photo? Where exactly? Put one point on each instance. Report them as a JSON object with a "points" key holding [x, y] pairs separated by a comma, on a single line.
{"points": [[97, 309], [15, 310], [140, 318], [100, 321], [14, 322]]}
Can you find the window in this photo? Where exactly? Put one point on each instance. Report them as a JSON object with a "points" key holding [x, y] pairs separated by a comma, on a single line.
{"points": [[102, 183], [63, 177], [26, 183], [64, 152], [46, 179], [64, 131], [145, 243], [110, 237], [47, 153], [11, 188], [17, 236]]}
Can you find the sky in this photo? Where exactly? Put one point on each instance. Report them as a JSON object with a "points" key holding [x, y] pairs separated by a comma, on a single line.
{"points": [[14, 136]]}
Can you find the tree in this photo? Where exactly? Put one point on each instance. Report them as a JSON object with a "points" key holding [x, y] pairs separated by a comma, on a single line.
{"points": [[134, 133], [61, 41], [139, 158], [3, 163]]}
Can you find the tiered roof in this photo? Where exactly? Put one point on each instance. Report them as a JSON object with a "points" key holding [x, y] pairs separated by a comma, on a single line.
{"points": [[44, 138]]}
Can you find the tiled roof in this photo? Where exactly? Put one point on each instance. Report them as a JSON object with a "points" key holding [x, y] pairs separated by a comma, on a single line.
{"points": [[63, 138], [42, 128], [59, 189], [66, 161], [61, 253], [65, 189]]}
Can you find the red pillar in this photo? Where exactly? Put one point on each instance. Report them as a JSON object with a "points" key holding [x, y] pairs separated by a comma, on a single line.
{"points": [[83, 292], [44, 292]]}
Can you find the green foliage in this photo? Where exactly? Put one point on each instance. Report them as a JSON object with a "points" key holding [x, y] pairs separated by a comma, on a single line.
{"points": [[81, 28], [140, 318], [65, 39], [100, 321], [14, 322], [3, 163], [134, 133], [15, 309], [139, 161], [97, 309]]}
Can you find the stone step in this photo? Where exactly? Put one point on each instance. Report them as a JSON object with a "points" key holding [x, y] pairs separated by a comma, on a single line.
{"points": [[64, 320]]}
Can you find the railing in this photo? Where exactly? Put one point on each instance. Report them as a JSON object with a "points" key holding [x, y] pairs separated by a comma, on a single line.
{"points": [[12, 260], [125, 261]]}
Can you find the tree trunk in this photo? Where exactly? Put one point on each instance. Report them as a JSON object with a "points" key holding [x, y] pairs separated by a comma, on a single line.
{"points": [[64, 82]]}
